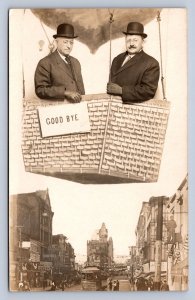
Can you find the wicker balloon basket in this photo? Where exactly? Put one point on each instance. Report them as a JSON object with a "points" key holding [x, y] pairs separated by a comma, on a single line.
{"points": [[125, 143]]}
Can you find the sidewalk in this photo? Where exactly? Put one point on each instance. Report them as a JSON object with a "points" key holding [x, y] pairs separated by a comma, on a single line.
{"points": [[48, 289]]}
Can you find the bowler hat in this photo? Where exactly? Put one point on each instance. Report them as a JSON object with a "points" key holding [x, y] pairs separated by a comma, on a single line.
{"points": [[135, 28], [65, 30]]}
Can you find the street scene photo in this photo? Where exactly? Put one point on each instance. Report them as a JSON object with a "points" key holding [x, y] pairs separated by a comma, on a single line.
{"points": [[98, 173], [41, 260]]}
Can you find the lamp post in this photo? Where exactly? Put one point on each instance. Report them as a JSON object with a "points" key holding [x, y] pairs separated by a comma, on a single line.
{"points": [[44, 216], [19, 227], [158, 245]]}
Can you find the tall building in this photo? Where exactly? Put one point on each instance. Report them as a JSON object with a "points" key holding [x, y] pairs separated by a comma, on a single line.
{"points": [[100, 249], [162, 239], [150, 222], [30, 236], [177, 210], [63, 256]]}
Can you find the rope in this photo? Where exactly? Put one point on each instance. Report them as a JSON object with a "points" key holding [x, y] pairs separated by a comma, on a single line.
{"points": [[167, 22], [111, 20], [23, 78], [105, 135], [161, 64], [51, 46]]}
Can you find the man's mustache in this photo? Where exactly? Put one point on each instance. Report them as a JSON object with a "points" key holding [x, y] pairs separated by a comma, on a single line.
{"points": [[132, 47]]}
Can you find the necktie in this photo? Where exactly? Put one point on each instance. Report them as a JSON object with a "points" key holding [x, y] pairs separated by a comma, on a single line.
{"points": [[68, 61], [127, 58]]}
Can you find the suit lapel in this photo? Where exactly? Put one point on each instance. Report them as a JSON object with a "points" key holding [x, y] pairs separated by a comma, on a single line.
{"points": [[61, 64], [120, 61], [130, 63]]}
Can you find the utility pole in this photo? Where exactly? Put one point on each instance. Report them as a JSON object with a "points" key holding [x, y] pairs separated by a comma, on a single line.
{"points": [[19, 227], [158, 245]]}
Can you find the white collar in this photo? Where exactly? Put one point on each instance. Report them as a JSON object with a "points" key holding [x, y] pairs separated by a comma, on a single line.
{"points": [[62, 57], [132, 55]]}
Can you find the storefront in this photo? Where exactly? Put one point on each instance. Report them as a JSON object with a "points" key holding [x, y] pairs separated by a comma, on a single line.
{"points": [[179, 275]]}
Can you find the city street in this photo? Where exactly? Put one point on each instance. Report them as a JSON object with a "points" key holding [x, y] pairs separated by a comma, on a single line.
{"points": [[124, 286], [73, 288]]}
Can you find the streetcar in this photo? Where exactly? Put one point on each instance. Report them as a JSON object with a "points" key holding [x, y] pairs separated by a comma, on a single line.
{"points": [[92, 279]]}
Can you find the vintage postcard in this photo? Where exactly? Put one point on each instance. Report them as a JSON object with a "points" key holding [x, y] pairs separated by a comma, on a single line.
{"points": [[98, 179]]}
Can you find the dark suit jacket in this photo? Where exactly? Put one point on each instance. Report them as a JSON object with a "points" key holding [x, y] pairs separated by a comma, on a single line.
{"points": [[138, 77], [53, 76]]}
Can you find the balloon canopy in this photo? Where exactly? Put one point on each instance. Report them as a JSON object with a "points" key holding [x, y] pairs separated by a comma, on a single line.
{"points": [[92, 24]]}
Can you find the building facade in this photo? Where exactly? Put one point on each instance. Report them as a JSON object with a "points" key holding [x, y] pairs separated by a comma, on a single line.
{"points": [[63, 257], [100, 249], [151, 237], [161, 249], [177, 210], [30, 236]]}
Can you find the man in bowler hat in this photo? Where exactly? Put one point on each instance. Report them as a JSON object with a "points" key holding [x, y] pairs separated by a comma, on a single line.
{"points": [[58, 75], [134, 74]]}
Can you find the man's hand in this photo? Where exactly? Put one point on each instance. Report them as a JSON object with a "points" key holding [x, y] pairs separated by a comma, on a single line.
{"points": [[114, 89], [73, 97]]}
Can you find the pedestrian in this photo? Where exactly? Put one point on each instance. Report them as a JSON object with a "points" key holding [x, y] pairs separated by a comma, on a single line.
{"points": [[134, 74], [164, 286], [117, 285], [114, 286], [110, 284], [141, 284], [63, 285], [145, 285], [26, 287], [44, 283], [36, 282], [65, 282], [131, 282], [58, 75], [20, 286], [53, 286], [150, 284]]}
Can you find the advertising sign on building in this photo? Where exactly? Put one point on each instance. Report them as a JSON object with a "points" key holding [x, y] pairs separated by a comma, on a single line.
{"points": [[45, 265], [26, 244]]}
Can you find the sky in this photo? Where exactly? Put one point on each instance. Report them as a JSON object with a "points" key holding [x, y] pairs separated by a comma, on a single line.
{"points": [[81, 209]]}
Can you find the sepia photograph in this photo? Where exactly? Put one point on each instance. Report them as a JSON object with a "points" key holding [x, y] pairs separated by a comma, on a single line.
{"points": [[98, 178]]}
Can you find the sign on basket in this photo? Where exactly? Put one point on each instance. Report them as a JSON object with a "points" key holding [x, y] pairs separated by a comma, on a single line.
{"points": [[64, 119]]}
